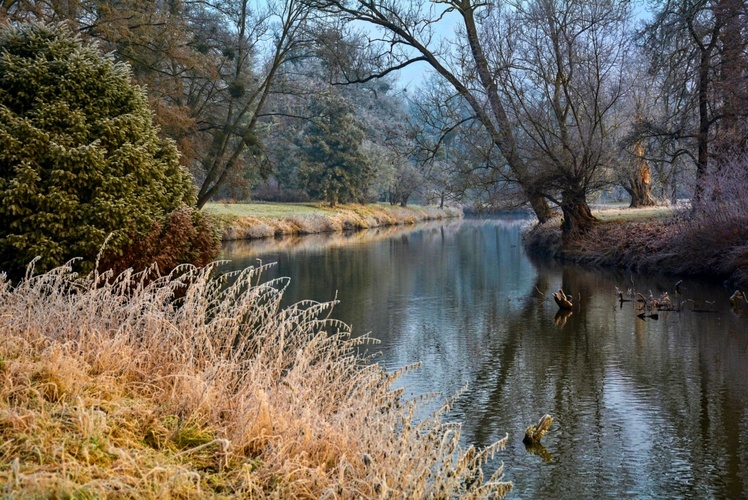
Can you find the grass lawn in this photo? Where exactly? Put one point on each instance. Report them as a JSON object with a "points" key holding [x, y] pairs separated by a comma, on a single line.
{"points": [[267, 210], [623, 213], [240, 221]]}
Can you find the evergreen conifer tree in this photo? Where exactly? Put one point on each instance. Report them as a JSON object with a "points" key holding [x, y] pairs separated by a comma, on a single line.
{"points": [[80, 157], [333, 167]]}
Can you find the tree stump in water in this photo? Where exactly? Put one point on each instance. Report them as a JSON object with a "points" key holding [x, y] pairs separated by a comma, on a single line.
{"points": [[736, 298], [562, 300], [535, 433]]}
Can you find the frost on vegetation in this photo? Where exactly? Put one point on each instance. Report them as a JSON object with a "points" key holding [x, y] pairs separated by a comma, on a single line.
{"points": [[200, 384]]}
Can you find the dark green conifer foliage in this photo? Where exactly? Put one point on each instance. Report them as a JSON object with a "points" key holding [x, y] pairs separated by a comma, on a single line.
{"points": [[333, 167], [80, 157]]}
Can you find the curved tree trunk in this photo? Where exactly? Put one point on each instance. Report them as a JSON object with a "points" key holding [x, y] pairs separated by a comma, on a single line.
{"points": [[578, 217], [540, 207]]}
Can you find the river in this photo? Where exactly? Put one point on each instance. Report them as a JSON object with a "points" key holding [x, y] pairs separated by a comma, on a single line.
{"points": [[642, 407]]}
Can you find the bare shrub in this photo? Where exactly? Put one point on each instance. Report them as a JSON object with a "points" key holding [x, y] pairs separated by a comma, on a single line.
{"points": [[545, 238], [111, 386], [714, 236], [186, 235]]}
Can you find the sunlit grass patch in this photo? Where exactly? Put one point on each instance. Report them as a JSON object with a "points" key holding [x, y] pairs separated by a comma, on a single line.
{"points": [[625, 213], [269, 210], [149, 388]]}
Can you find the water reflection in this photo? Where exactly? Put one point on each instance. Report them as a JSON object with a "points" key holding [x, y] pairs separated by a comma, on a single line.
{"points": [[641, 407]]}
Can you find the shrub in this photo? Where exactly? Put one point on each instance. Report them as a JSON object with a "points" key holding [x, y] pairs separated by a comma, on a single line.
{"points": [[80, 157], [185, 235], [712, 239]]}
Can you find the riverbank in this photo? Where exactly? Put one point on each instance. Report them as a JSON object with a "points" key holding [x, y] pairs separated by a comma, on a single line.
{"points": [[711, 245], [243, 221], [317, 242]]}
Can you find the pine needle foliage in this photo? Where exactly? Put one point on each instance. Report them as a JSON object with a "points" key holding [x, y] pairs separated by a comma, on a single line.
{"points": [[80, 157], [113, 387], [333, 167]]}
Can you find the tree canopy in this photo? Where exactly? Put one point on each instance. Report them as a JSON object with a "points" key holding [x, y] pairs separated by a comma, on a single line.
{"points": [[540, 102]]}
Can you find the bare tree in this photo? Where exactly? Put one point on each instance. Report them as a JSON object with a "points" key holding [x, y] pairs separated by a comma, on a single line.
{"points": [[403, 33], [245, 79], [640, 105], [563, 85], [698, 47], [456, 155]]}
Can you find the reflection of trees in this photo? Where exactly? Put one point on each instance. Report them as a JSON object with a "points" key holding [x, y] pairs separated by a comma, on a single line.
{"points": [[537, 368], [628, 395]]}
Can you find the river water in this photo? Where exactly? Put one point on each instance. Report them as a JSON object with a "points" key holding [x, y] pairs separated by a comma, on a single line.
{"points": [[642, 407]]}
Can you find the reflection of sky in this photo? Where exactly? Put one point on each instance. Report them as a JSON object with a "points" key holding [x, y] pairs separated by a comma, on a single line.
{"points": [[642, 408]]}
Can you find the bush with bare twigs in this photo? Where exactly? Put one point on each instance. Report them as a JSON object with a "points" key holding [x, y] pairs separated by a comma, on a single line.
{"points": [[714, 237], [113, 386]]}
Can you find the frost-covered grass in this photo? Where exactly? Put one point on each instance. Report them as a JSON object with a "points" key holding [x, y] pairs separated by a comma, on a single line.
{"points": [[129, 387]]}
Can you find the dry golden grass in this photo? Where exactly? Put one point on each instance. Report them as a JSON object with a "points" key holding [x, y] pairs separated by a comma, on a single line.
{"points": [[133, 388], [262, 220]]}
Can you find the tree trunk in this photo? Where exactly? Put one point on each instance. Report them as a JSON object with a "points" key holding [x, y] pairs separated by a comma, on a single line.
{"points": [[540, 207], [702, 162], [639, 186], [578, 217]]}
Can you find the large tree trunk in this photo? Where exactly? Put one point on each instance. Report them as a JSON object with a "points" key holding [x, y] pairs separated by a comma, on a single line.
{"points": [[578, 217], [702, 161], [731, 86], [639, 186]]}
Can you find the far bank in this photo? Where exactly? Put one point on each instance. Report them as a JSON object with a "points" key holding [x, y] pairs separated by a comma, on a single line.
{"points": [[243, 221], [678, 242]]}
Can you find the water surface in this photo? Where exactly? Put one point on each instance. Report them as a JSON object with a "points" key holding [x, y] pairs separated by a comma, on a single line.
{"points": [[642, 408]]}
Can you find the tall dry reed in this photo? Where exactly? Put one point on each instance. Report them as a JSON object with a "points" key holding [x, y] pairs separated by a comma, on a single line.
{"points": [[133, 387]]}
